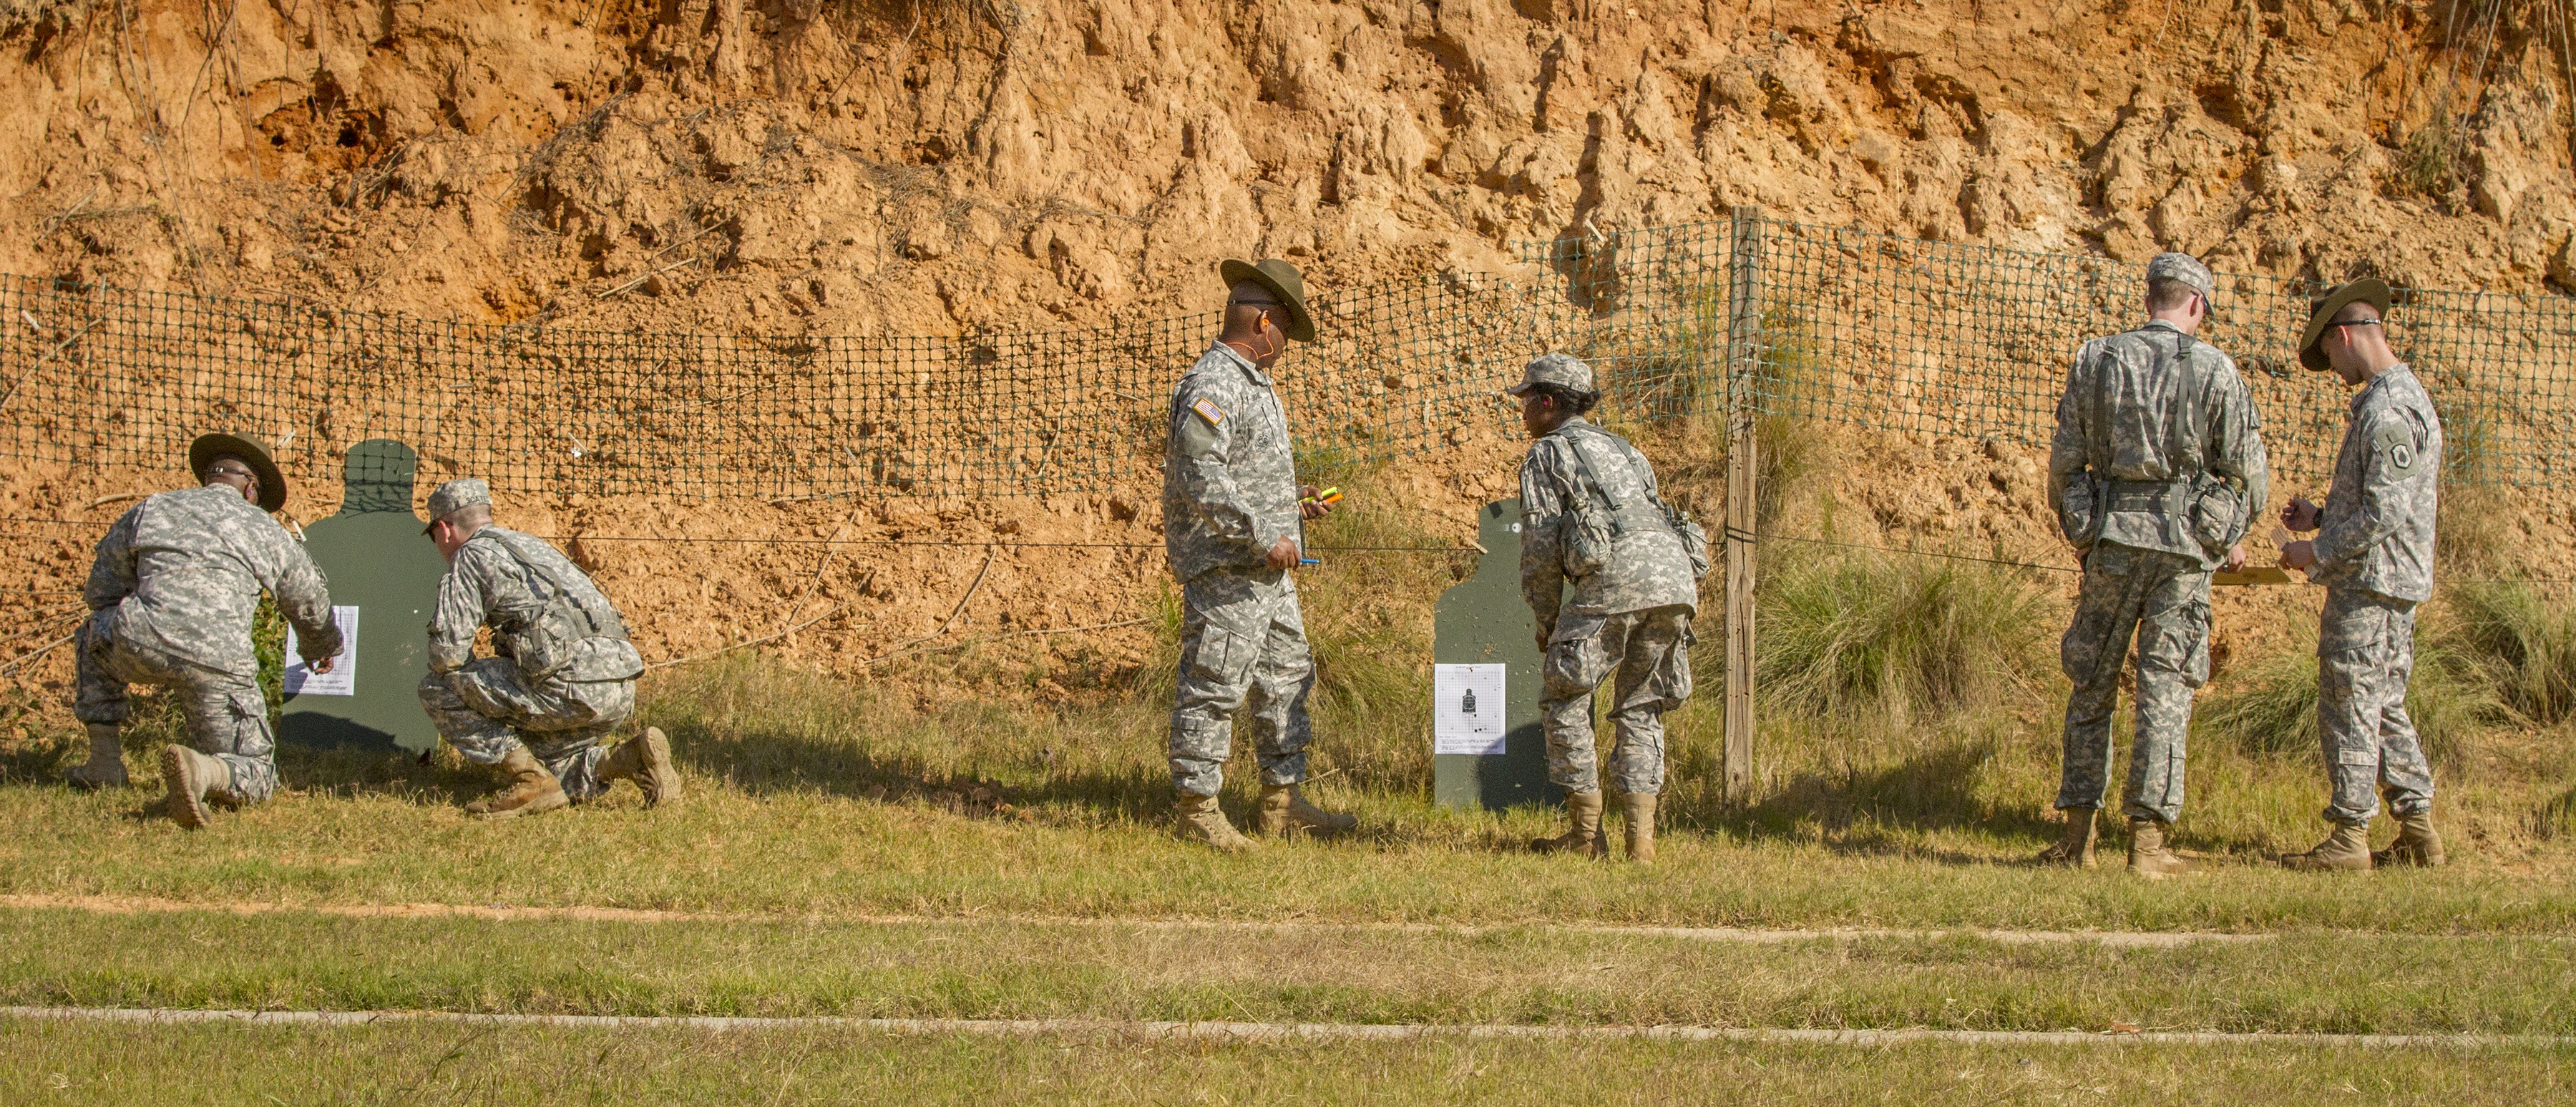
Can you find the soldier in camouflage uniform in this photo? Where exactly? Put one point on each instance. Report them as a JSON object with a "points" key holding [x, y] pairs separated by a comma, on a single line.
{"points": [[1611, 571], [2374, 554], [2157, 470], [564, 679], [174, 588], [1233, 527]]}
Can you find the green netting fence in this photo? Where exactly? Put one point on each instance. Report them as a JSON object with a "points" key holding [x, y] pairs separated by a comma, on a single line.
{"points": [[1882, 332], [1850, 327]]}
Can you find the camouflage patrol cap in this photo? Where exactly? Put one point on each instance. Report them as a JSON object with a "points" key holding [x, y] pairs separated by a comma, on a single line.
{"points": [[1565, 371], [455, 496], [2184, 270]]}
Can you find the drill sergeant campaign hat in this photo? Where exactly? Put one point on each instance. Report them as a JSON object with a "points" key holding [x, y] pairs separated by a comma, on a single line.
{"points": [[2321, 311], [1565, 371], [2182, 269], [1283, 282], [455, 496], [253, 451]]}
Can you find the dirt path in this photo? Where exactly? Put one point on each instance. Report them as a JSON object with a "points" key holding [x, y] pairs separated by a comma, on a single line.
{"points": [[1281, 1032], [128, 905]]}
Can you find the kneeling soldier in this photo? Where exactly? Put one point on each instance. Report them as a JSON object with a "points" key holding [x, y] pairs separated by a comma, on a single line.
{"points": [[565, 679], [1591, 520], [174, 589]]}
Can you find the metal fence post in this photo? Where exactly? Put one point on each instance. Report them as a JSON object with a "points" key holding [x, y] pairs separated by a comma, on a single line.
{"points": [[1744, 360]]}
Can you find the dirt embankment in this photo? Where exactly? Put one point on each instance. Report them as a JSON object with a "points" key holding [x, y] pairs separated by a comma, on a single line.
{"points": [[800, 166]]}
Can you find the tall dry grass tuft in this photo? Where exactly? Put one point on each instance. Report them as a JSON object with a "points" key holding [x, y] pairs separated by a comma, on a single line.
{"points": [[1908, 639], [2520, 643]]}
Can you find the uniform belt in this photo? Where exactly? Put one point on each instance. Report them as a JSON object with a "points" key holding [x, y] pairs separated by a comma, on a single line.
{"points": [[2144, 495]]}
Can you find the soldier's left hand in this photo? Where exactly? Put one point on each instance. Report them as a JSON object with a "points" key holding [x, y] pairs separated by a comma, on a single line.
{"points": [[322, 666], [1308, 506], [2235, 558], [2299, 555]]}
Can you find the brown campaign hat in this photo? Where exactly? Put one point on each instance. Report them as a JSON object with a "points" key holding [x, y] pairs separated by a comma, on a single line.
{"points": [[1284, 282], [253, 451], [2321, 311]]}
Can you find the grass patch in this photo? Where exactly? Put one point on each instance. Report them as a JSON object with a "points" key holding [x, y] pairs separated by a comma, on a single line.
{"points": [[1905, 639], [2268, 707], [415, 1063], [2335, 983], [1912, 831], [2523, 644]]}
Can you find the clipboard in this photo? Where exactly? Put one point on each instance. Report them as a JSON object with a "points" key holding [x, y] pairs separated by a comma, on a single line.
{"points": [[2267, 575]]}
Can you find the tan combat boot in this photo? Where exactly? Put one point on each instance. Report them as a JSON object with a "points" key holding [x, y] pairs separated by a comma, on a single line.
{"points": [[1583, 828], [531, 790], [2345, 850], [2075, 846], [646, 760], [1285, 811], [106, 767], [1640, 810], [2148, 856], [190, 776], [1199, 819], [2417, 844]]}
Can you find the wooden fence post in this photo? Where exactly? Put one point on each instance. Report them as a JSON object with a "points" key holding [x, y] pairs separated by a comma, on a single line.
{"points": [[1744, 361]]}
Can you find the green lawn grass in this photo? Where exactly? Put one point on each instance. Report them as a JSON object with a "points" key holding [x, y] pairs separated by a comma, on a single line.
{"points": [[808, 796], [868, 849], [2306, 982], [71, 1062]]}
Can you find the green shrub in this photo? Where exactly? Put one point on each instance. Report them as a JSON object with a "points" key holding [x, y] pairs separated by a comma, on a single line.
{"points": [[2424, 164], [1909, 638]]}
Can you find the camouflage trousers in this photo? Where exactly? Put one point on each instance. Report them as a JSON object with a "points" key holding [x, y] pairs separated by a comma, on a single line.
{"points": [[227, 715], [2162, 601], [2365, 655], [1243, 640], [1650, 652], [486, 709]]}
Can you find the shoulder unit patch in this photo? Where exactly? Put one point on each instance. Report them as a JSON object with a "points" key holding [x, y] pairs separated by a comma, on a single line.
{"points": [[2400, 446]]}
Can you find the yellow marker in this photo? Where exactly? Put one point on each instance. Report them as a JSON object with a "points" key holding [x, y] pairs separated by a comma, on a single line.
{"points": [[1329, 495]]}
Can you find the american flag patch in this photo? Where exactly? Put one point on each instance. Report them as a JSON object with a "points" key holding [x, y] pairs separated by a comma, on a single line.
{"points": [[1208, 410]]}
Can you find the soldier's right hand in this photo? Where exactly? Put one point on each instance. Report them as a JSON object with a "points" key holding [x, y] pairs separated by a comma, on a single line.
{"points": [[322, 666], [2299, 515], [1283, 553]]}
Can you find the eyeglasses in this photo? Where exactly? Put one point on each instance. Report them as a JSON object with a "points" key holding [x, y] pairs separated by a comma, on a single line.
{"points": [[2355, 323], [215, 471]]}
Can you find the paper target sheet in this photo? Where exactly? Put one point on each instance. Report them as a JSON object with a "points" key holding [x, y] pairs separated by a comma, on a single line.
{"points": [[342, 680], [1467, 714]]}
